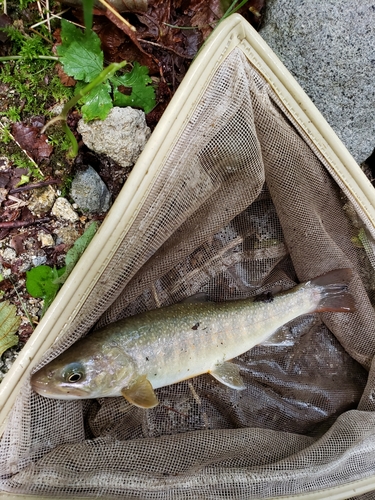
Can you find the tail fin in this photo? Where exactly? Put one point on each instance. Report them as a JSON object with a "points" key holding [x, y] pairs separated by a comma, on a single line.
{"points": [[334, 291]]}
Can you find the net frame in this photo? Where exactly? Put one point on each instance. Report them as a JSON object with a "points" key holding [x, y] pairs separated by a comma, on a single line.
{"points": [[235, 32]]}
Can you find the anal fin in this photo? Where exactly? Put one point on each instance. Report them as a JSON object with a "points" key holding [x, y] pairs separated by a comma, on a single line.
{"points": [[140, 393], [228, 374]]}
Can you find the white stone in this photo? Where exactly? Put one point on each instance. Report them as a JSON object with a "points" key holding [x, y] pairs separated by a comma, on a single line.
{"points": [[46, 239], [9, 255], [63, 210], [122, 135]]}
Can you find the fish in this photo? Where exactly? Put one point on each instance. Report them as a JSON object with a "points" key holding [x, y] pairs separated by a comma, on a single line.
{"points": [[134, 356]]}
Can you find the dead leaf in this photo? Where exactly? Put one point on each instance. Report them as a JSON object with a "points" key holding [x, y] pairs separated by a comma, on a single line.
{"points": [[4, 178], [25, 332], [118, 47], [135, 5], [66, 80], [17, 242], [29, 139], [206, 15], [5, 21]]}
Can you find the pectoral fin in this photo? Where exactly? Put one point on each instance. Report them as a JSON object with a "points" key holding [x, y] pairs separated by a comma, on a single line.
{"points": [[140, 393], [228, 374]]}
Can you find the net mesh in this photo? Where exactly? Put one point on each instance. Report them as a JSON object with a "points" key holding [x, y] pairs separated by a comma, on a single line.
{"points": [[242, 205]]}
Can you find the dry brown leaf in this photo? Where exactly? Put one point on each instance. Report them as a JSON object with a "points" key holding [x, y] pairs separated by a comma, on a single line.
{"points": [[29, 139]]}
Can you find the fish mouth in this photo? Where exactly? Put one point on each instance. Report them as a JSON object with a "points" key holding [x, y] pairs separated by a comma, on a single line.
{"points": [[55, 392]]}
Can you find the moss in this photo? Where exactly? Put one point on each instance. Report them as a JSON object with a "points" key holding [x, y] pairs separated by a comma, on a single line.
{"points": [[30, 86]]}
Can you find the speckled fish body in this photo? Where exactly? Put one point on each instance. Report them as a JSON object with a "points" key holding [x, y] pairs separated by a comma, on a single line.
{"points": [[134, 356]]}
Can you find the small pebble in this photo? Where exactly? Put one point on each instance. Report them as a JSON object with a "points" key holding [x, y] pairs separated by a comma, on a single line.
{"points": [[63, 210], [46, 239], [9, 255], [67, 235], [41, 200], [39, 260]]}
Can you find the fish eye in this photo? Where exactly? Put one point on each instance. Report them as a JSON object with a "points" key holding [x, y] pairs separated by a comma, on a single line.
{"points": [[73, 373], [74, 377]]}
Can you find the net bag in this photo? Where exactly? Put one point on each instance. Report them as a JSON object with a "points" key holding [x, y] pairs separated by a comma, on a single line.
{"points": [[242, 189]]}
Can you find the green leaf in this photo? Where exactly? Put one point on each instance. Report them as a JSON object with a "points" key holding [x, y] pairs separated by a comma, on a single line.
{"points": [[74, 254], [98, 103], [81, 54], [40, 283], [82, 63], [69, 34], [45, 281], [142, 94], [9, 324], [24, 180]]}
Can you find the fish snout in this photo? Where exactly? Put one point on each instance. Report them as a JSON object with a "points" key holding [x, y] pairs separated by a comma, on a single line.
{"points": [[43, 382], [39, 383]]}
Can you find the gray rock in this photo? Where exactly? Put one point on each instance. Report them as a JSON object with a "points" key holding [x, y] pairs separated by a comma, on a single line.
{"points": [[122, 135], [329, 48], [89, 192], [39, 260]]}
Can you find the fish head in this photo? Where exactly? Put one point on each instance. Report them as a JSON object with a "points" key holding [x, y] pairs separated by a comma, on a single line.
{"points": [[84, 372]]}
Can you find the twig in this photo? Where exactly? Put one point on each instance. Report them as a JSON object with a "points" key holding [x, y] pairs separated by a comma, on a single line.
{"points": [[52, 16], [163, 47], [14, 58], [115, 13], [17, 202], [181, 27], [40, 9], [42, 36], [21, 223], [48, 16], [36, 185]]}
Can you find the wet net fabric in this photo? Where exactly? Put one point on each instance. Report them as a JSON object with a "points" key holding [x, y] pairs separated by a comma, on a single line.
{"points": [[242, 205]]}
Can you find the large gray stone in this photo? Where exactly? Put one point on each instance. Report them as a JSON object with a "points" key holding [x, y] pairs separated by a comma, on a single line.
{"points": [[329, 48], [89, 192], [122, 135]]}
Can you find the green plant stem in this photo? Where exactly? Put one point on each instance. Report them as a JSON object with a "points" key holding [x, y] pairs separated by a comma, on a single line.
{"points": [[232, 8], [73, 141], [15, 58], [106, 73], [88, 6]]}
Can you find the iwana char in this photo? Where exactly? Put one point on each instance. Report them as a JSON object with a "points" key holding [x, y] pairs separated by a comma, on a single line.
{"points": [[134, 356]]}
